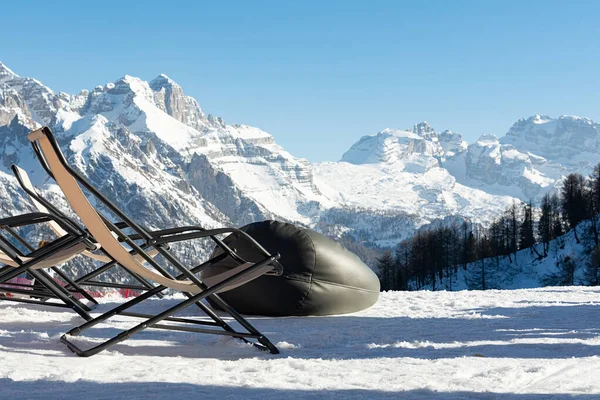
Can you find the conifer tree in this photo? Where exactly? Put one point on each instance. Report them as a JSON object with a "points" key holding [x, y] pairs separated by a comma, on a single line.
{"points": [[592, 269], [555, 217], [403, 271], [594, 202], [385, 264], [573, 201], [545, 222], [512, 230], [526, 236], [471, 247]]}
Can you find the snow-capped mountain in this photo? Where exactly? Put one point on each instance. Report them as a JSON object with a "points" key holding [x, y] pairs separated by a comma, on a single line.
{"points": [[440, 174], [152, 149], [571, 141]]}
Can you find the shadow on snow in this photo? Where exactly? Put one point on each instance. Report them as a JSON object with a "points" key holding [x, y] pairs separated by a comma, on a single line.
{"points": [[158, 390], [528, 332]]}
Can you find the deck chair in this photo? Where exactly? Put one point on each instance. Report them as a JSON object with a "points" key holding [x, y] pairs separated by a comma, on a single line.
{"points": [[33, 262], [44, 206], [101, 228]]}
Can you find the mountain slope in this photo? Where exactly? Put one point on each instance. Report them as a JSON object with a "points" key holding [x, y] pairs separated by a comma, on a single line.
{"points": [[433, 174], [528, 269]]}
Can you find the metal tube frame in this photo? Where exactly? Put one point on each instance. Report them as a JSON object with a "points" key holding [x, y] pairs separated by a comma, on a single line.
{"points": [[81, 281], [158, 240], [51, 288], [15, 253], [73, 286]]}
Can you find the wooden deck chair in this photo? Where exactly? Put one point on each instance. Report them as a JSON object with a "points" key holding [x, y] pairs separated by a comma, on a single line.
{"points": [[33, 262], [101, 228], [44, 206]]}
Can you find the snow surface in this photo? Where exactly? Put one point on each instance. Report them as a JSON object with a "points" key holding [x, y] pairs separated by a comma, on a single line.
{"points": [[429, 192], [519, 344]]}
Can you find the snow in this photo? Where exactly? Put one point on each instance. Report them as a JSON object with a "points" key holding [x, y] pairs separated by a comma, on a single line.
{"points": [[514, 154], [94, 132], [487, 139], [537, 177], [541, 119], [569, 140], [527, 269], [388, 145], [422, 189], [534, 343], [66, 118], [6, 73], [164, 126], [248, 132]]}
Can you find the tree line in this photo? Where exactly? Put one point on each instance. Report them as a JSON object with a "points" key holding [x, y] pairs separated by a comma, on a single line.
{"points": [[434, 255]]}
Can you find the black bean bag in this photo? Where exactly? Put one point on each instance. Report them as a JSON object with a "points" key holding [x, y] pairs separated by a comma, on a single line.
{"points": [[321, 277]]}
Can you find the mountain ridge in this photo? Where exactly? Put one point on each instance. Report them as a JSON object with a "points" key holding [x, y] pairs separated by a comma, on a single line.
{"points": [[149, 143]]}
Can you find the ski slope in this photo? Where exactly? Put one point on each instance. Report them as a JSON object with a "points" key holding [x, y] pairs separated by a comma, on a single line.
{"points": [[519, 344]]}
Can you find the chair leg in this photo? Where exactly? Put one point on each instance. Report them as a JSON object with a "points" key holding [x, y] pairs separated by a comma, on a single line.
{"points": [[121, 310], [152, 322], [65, 296], [39, 291], [53, 288], [77, 288], [244, 322], [84, 280], [252, 333]]}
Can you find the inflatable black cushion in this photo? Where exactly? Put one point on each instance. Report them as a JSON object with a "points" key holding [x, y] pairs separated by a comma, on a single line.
{"points": [[321, 277]]}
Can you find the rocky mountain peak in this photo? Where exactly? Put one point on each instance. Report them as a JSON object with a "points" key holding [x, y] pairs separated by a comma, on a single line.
{"points": [[12, 105], [129, 84], [161, 81], [539, 118], [544, 125], [170, 98], [577, 122], [6, 73], [452, 143], [423, 129], [391, 145], [149, 143], [568, 140], [41, 102], [10, 98], [488, 139]]}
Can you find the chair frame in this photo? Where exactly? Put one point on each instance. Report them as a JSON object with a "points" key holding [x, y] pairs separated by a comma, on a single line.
{"points": [[159, 240], [44, 205], [49, 287]]}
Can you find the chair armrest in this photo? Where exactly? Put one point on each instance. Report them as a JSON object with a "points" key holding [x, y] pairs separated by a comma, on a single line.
{"points": [[38, 218], [25, 219], [184, 233]]}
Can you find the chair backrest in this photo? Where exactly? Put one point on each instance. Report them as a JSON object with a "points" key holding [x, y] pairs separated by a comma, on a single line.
{"points": [[90, 216], [25, 182], [36, 199]]}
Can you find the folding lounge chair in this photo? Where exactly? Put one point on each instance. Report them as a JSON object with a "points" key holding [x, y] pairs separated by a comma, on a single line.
{"points": [[45, 206], [55, 253], [102, 229]]}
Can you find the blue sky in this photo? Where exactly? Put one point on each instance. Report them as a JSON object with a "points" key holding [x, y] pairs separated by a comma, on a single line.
{"points": [[318, 75]]}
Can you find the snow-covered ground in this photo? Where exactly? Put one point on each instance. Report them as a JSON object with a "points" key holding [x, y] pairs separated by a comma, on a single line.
{"points": [[518, 344]]}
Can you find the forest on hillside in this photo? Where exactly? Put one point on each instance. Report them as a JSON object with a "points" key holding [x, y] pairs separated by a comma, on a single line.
{"points": [[434, 257]]}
